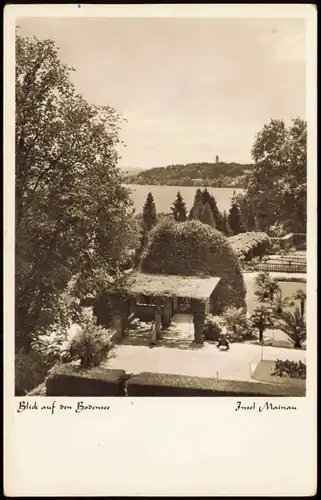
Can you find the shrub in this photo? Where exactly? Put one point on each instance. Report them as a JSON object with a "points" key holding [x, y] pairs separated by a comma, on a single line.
{"points": [[161, 384], [192, 248], [250, 245], [212, 328], [90, 345], [30, 371], [289, 368], [71, 380], [289, 279], [277, 230], [237, 325]]}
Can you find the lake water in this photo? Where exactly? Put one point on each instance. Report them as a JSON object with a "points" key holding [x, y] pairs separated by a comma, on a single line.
{"points": [[164, 196]]}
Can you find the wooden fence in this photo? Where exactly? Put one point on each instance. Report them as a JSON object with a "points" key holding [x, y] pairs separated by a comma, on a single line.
{"points": [[277, 267]]}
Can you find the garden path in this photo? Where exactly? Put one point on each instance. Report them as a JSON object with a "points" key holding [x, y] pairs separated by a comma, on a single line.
{"points": [[206, 361]]}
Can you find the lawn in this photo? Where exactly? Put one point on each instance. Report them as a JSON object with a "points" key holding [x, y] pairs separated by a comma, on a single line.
{"points": [[287, 289]]}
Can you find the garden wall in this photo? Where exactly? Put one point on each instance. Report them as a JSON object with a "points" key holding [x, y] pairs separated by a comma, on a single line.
{"points": [[70, 380]]}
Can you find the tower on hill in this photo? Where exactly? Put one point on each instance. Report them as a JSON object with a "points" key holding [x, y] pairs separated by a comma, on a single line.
{"points": [[217, 159]]}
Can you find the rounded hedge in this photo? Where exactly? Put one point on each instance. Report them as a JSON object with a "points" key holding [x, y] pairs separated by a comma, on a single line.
{"points": [[192, 248]]}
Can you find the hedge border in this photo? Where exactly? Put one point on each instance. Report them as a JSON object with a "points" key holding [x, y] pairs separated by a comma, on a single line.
{"points": [[166, 385], [71, 380]]}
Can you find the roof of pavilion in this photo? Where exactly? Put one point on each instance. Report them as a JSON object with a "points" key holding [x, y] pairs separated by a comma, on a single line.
{"points": [[193, 287]]}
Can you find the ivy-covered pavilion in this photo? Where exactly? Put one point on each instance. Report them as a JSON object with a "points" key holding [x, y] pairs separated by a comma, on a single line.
{"points": [[157, 297]]}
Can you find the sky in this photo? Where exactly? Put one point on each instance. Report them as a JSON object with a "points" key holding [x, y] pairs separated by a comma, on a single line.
{"points": [[190, 89]]}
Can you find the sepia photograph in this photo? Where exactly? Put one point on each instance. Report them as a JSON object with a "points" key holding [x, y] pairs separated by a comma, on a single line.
{"points": [[160, 207]]}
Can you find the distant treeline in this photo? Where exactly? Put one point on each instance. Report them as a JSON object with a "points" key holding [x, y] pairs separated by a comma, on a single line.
{"points": [[193, 174]]}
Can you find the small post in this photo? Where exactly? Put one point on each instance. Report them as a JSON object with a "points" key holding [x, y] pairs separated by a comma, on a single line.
{"points": [[250, 370], [262, 350], [157, 319]]}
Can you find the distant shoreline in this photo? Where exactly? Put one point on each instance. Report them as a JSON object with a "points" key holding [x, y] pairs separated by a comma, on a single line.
{"points": [[202, 174], [178, 184]]}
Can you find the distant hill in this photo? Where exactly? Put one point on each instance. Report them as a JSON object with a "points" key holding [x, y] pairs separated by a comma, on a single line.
{"points": [[130, 171], [193, 174]]}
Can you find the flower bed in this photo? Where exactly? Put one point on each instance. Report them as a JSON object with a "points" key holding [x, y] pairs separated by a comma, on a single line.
{"points": [[263, 373], [289, 368]]}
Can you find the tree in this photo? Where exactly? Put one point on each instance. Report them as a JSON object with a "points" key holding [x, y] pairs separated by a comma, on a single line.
{"points": [[73, 217], [195, 210], [247, 212], [261, 319], [278, 303], [206, 215], [206, 197], [234, 217], [301, 296], [179, 209], [195, 249], [276, 189], [226, 229], [201, 199], [294, 326], [143, 240], [261, 279], [266, 287], [149, 212]]}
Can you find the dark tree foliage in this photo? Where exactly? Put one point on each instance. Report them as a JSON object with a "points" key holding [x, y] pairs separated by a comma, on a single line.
{"points": [[73, 217], [234, 217], [208, 198], [194, 212], [206, 215], [179, 209], [201, 199], [226, 229], [276, 188], [149, 212]]}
